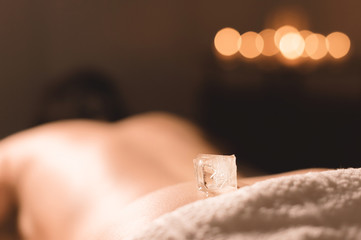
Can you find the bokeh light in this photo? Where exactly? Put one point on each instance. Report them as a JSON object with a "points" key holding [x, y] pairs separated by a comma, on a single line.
{"points": [[269, 48], [292, 45], [227, 41], [305, 34], [252, 45], [317, 46], [287, 40], [283, 31], [311, 44], [338, 44]]}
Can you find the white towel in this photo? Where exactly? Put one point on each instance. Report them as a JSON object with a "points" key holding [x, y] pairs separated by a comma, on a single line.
{"points": [[316, 205]]}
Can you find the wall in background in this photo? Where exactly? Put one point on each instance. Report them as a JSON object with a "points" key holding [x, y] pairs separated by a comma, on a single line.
{"points": [[157, 50]]}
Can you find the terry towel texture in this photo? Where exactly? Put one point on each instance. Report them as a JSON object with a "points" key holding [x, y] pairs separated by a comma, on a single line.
{"points": [[316, 205]]}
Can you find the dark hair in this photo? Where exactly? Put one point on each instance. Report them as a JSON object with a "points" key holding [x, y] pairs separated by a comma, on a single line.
{"points": [[85, 93]]}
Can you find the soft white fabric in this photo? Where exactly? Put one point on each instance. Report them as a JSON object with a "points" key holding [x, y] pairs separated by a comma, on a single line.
{"points": [[324, 205]]}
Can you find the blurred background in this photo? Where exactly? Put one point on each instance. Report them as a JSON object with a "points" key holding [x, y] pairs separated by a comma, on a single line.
{"points": [[278, 105]]}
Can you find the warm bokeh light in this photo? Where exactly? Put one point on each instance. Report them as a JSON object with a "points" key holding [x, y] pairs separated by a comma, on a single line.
{"points": [[283, 31], [305, 34], [316, 46], [252, 45], [227, 41], [292, 45], [311, 44], [269, 48], [338, 44]]}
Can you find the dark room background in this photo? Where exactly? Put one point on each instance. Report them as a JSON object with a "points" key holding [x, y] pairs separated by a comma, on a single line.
{"points": [[159, 56]]}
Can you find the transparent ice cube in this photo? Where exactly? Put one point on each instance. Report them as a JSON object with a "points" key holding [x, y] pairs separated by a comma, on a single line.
{"points": [[216, 174]]}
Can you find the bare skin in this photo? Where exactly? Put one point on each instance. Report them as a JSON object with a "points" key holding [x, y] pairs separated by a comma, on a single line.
{"points": [[92, 180]]}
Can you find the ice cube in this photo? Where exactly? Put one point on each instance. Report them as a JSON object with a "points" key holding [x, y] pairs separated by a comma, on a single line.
{"points": [[215, 174]]}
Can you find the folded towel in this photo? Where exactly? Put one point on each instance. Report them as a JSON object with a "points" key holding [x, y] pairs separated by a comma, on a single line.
{"points": [[315, 205]]}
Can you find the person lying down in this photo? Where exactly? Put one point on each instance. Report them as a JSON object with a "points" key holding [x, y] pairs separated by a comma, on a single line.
{"points": [[134, 179]]}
